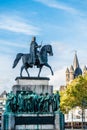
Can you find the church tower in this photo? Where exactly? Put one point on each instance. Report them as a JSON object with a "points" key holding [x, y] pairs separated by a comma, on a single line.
{"points": [[77, 69], [67, 76], [74, 71], [71, 73], [75, 62], [84, 70]]}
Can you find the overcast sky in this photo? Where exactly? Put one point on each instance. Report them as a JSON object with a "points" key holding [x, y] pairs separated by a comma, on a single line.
{"points": [[61, 23]]}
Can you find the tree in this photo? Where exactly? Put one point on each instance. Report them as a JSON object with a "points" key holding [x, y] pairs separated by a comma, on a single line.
{"points": [[75, 94]]}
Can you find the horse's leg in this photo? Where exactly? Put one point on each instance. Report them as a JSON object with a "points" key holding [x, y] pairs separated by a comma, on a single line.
{"points": [[27, 72], [40, 71], [21, 70], [47, 65]]}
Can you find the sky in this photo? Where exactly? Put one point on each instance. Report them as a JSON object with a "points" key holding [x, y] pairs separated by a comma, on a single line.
{"points": [[61, 23]]}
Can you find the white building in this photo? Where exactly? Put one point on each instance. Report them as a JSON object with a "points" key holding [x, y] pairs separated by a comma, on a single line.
{"points": [[2, 104]]}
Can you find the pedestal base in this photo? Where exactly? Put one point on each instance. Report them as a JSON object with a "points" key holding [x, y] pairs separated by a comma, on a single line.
{"points": [[31, 121], [33, 106]]}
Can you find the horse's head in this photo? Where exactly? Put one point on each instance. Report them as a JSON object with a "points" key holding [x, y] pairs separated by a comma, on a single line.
{"points": [[49, 50], [43, 57]]}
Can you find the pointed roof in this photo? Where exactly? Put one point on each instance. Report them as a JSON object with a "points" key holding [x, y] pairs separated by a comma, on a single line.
{"points": [[67, 70], [71, 69], [3, 93], [75, 62], [77, 69], [85, 69]]}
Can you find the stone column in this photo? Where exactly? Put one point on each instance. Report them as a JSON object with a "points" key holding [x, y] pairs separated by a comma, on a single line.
{"points": [[11, 121], [57, 121], [8, 121]]}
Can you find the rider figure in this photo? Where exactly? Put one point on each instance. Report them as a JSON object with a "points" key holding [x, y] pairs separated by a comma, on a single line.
{"points": [[34, 50]]}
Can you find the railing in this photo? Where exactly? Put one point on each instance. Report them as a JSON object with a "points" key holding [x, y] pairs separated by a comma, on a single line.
{"points": [[76, 125]]}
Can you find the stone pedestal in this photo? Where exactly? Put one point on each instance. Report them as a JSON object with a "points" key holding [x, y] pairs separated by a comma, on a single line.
{"points": [[32, 121], [45, 119], [35, 84], [35, 122]]}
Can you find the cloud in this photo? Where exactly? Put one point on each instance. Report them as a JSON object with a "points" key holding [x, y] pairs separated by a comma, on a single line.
{"points": [[59, 46], [8, 47], [61, 49], [57, 5], [58, 79], [17, 25], [7, 74], [8, 43]]}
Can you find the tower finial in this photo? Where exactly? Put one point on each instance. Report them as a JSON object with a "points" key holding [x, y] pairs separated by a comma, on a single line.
{"points": [[75, 62], [75, 52]]}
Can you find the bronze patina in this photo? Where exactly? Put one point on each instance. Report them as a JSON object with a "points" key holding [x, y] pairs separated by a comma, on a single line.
{"points": [[38, 58]]}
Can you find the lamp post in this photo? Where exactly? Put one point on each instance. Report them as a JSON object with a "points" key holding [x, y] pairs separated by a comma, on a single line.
{"points": [[82, 116], [84, 104], [72, 120]]}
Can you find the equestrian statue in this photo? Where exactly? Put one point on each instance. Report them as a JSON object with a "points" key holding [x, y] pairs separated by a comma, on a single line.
{"points": [[38, 58]]}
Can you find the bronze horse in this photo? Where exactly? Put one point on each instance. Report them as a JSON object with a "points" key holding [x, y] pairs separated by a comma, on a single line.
{"points": [[41, 60]]}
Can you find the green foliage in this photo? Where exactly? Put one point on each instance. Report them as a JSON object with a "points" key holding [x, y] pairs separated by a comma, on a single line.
{"points": [[74, 95]]}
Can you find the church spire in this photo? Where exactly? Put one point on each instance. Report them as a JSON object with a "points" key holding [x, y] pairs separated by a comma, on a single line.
{"points": [[75, 62]]}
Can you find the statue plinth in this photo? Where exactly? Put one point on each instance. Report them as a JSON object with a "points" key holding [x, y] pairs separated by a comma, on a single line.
{"points": [[35, 84], [32, 121], [32, 80], [36, 106]]}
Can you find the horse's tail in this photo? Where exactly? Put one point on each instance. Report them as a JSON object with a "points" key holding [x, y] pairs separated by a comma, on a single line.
{"points": [[18, 57]]}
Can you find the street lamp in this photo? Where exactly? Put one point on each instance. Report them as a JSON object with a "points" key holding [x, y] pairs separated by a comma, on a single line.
{"points": [[72, 120], [84, 104]]}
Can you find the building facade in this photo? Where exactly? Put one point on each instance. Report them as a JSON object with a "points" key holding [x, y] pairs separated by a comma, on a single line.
{"points": [[2, 103]]}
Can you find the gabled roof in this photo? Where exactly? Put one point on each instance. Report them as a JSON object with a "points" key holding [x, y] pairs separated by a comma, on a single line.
{"points": [[71, 69], [3, 93], [67, 71]]}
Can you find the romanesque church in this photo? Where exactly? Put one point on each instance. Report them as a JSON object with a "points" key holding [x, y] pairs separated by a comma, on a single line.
{"points": [[74, 70]]}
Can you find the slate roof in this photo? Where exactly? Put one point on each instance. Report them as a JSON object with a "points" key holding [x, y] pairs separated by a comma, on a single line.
{"points": [[77, 69]]}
